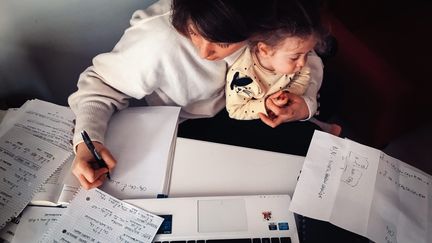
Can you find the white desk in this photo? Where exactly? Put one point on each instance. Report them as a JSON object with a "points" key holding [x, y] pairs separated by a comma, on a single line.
{"points": [[210, 169]]}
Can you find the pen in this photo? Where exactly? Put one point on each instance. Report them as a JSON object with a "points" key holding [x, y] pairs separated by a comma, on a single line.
{"points": [[92, 149]]}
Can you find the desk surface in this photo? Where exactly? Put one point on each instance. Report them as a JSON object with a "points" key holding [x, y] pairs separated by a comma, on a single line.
{"points": [[211, 169]]}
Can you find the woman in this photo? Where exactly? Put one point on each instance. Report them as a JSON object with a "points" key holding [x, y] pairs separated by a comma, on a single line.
{"points": [[173, 54]]}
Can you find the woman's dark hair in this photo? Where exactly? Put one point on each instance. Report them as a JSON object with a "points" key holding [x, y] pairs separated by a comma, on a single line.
{"points": [[299, 18], [224, 21]]}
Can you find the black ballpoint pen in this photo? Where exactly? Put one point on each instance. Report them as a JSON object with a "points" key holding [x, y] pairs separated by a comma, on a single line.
{"points": [[91, 147]]}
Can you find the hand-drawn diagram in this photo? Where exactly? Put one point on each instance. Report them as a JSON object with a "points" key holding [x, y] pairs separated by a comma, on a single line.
{"points": [[355, 165]]}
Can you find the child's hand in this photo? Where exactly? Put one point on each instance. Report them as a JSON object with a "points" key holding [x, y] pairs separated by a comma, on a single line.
{"points": [[279, 98], [82, 166], [294, 110]]}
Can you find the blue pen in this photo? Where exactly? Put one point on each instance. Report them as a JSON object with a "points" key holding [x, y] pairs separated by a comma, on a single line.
{"points": [[101, 163]]}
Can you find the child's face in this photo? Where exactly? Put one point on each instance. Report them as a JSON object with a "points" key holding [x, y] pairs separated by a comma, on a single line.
{"points": [[289, 56], [210, 50]]}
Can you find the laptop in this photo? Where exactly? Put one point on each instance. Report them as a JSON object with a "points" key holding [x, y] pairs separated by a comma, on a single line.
{"points": [[257, 219]]}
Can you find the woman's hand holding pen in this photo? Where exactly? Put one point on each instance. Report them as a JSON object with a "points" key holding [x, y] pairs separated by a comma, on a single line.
{"points": [[82, 165], [284, 107]]}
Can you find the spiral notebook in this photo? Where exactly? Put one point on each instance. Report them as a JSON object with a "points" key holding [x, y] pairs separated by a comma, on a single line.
{"points": [[32, 146], [95, 216]]}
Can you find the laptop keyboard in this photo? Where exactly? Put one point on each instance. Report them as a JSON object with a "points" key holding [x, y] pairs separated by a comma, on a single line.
{"points": [[254, 240]]}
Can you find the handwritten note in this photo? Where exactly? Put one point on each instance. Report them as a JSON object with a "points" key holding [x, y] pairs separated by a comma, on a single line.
{"points": [[322, 177], [143, 150], [58, 189], [50, 122], [402, 203], [26, 162], [34, 222], [95, 216], [363, 190]]}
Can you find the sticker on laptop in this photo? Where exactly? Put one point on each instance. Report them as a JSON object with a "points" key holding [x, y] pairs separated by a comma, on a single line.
{"points": [[267, 215]]}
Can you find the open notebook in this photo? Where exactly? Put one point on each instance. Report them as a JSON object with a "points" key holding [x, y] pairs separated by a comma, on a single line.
{"points": [[258, 218]]}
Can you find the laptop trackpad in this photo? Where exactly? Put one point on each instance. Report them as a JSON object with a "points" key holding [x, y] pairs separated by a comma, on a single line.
{"points": [[225, 215]]}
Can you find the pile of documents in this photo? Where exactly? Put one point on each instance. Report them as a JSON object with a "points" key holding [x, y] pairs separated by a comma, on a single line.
{"points": [[36, 156], [34, 142]]}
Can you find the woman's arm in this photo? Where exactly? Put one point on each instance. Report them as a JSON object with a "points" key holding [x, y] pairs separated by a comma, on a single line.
{"points": [[315, 66], [109, 83], [93, 104]]}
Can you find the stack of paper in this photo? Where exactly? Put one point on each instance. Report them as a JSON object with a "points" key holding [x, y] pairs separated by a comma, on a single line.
{"points": [[94, 216], [363, 190], [34, 142], [36, 156], [91, 216]]}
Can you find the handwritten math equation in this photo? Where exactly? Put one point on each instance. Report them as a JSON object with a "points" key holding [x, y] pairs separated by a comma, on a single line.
{"points": [[404, 178], [95, 216], [333, 156], [122, 186], [25, 163]]}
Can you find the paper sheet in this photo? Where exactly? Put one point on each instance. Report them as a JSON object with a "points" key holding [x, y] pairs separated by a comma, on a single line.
{"points": [[141, 139], [34, 222], [363, 190], [50, 122], [25, 163], [95, 216], [34, 142], [59, 189], [8, 232]]}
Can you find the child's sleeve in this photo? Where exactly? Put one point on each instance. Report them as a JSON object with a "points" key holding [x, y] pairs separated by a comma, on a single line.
{"points": [[299, 82], [244, 97]]}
